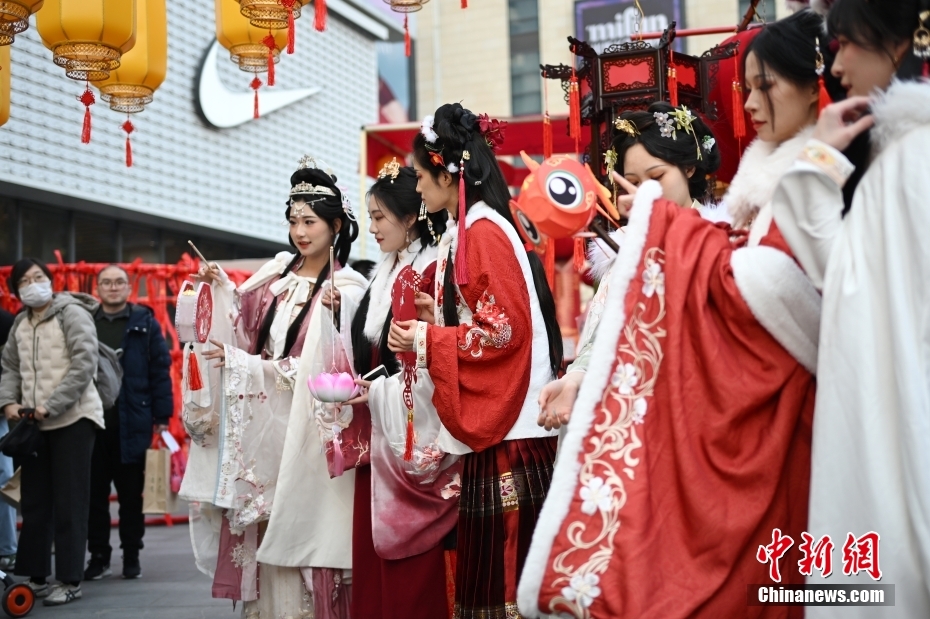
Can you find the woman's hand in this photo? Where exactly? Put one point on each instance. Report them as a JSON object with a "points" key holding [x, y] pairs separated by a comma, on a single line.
{"points": [[218, 354], [332, 299], [11, 411], [209, 273], [425, 308], [361, 398], [402, 336], [840, 123], [625, 202], [557, 399], [41, 413]]}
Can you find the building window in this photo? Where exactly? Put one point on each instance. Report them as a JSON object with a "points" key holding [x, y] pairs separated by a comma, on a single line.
{"points": [[525, 86], [95, 239], [45, 229], [762, 10]]}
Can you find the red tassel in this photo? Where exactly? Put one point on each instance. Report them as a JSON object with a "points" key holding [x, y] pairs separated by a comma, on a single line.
{"points": [[739, 115], [289, 5], [578, 256], [128, 128], [194, 379], [406, 37], [272, 46], [255, 84], [319, 17], [461, 264], [574, 110], [672, 80], [824, 97], [926, 70], [464, 4], [408, 444], [88, 99], [547, 136], [549, 263]]}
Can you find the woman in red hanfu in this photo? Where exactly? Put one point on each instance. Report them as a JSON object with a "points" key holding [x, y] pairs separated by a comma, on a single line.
{"points": [[401, 513], [490, 343], [687, 456]]}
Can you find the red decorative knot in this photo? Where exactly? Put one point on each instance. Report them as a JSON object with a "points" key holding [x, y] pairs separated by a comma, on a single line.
{"points": [[272, 46], [88, 98], [128, 127], [256, 83]]}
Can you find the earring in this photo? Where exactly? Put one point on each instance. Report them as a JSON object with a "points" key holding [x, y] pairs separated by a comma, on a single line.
{"points": [[429, 224], [422, 210]]}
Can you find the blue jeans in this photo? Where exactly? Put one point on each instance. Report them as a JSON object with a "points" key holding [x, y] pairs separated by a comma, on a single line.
{"points": [[7, 511]]}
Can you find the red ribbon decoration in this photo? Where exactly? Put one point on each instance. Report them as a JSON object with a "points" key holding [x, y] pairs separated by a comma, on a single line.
{"points": [[128, 128], [88, 99]]}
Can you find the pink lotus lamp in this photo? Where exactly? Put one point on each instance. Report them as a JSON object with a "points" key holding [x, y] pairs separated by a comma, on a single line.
{"points": [[332, 387]]}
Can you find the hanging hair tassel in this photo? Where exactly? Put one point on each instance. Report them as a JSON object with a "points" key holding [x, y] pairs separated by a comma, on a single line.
{"points": [[574, 109], [255, 84], [461, 264], [319, 16], [194, 379], [408, 443], [739, 116], [549, 263], [128, 128], [824, 97], [406, 38], [289, 5], [672, 80], [88, 99], [272, 46], [578, 256]]}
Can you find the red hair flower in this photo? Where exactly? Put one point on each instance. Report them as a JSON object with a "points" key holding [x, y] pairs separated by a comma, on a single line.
{"points": [[492, 130], [436, 159]]}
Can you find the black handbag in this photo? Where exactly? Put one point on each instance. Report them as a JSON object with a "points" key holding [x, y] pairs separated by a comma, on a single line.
{"points": [[23, 440]]}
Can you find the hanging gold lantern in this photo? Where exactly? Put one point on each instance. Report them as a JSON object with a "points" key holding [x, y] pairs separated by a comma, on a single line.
{"points": [[255, 50], [14, 17], [142, 69], [405, 7], [87, 38], [280, 14], [4, 84]]}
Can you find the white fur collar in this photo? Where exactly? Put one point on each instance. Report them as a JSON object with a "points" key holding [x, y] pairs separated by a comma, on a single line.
{"points": [[759, 173], [904, 107], [379, 298]]}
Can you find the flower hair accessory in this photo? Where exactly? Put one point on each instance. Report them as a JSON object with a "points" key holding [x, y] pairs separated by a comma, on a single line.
{"points": [[426, 128], [492, 130], [624, 125], [347, 205], [391, 169], [708, 143], [680, 119]]}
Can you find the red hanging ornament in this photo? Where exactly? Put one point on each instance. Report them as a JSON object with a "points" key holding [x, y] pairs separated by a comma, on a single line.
{"points": [[255, 84], [672, 80], [128, 128], [464, 4], [574, 109], [406, 37], [272, 47], [408, 443], [289, 5], [461, 265], [824, 96], [547, 136], [739, 115], [319, 16], [194, 379], [88, 99], [578, 255], [549, 263]]}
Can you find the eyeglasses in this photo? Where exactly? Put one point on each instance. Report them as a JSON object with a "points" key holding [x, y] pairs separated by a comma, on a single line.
{"points": [[38, 278], [110, 283]]}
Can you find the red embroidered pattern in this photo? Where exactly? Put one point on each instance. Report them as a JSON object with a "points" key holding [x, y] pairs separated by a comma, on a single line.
{"points": [[490, 327]]}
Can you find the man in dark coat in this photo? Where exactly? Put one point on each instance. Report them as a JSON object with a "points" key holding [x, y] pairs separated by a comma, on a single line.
{"points": [[145, 405]]}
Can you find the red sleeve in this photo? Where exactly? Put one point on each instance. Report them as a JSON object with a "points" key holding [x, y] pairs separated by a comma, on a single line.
{"points": [[482, 371]]}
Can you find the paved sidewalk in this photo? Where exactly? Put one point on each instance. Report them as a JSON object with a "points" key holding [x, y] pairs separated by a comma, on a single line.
{"points": [[171, 587]]}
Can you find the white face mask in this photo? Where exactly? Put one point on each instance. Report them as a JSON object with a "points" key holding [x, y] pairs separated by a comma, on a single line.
{"points": [[36, 295]]}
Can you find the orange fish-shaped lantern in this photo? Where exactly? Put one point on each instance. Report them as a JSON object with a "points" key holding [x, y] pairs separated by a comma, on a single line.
{"points": [[558, 199]]}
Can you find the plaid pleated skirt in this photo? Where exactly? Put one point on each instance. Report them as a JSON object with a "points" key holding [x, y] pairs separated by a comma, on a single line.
{"points": [[503, 489]]}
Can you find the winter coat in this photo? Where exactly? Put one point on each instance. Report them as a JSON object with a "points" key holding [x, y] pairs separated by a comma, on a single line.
{"points": [[146, 397], [51, 361]]}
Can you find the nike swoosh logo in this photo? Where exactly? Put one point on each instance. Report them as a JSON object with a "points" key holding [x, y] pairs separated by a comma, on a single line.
{"points": [[223, 108]]}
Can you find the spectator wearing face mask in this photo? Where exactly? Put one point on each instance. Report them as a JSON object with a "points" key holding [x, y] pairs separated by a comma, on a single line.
{"points": [[49, 365]]}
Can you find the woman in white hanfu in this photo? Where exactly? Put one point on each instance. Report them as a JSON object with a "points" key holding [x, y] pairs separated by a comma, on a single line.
{"points": [[870, 486], [268, 523]]}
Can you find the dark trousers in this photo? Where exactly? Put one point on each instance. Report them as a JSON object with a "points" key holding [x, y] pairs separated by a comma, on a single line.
{"points": [[129, 480], [55, 498]]}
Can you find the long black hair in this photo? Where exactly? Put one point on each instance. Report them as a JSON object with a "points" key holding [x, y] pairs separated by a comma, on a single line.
{"points": [[458, 130], [788, 47], [681, 152], [878, 26], [329, 207], [399, 197], [19, 270]]}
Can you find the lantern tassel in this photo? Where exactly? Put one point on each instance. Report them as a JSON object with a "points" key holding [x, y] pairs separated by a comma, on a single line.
{"points": [[739, 116], [461, 264], [255, 85], [464, 4], [290, 29], [272, 46], [406, 38], [547, 136], [824, 96], [319, 17], [194, 379], [88, 99], [578, 256], [408, 443], [549, 263], [672, 80], [574, 109], [128, 128]]}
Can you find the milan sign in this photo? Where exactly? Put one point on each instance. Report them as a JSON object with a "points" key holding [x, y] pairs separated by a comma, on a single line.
{"points": [[602, 23]]}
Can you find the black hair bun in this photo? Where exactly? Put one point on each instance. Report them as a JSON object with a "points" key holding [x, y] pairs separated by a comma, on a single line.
{"points": [[315, 176], [454, 124]]}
